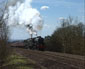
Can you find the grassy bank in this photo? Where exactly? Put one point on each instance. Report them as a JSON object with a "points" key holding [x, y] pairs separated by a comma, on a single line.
{"points": [[16, 61]]}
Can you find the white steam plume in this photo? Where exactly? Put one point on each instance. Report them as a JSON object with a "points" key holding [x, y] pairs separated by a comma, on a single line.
{"points": [[21, 13]]}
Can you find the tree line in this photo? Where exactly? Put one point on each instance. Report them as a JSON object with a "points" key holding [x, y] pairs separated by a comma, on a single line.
{"points": [[69, 38]]}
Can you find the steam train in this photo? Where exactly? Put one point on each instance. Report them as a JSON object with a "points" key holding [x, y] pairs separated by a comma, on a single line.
{"points": [[36, 43]]}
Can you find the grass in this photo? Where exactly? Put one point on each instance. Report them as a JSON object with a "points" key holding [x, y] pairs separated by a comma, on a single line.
{"points": [[16, 61]]}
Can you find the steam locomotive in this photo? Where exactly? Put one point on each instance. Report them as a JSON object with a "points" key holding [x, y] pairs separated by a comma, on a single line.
{"points": [[35, 43]]}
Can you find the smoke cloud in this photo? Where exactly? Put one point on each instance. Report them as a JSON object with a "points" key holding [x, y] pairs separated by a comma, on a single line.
{"points": [[21, 13]]}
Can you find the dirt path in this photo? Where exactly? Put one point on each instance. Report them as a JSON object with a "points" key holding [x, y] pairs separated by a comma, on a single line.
{"points": [[52, 60]]}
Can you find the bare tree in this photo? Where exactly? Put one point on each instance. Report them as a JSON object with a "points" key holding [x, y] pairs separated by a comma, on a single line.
{"points": [[4, 51]]}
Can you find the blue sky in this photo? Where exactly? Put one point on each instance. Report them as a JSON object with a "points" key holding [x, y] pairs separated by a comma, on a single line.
{"points": [[57, 9]]}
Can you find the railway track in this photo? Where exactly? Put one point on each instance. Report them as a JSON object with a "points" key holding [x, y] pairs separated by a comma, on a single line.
{"points": [[51, 60]]}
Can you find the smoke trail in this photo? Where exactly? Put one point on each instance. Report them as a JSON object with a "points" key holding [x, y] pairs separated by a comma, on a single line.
{"points": [[21, 13]]}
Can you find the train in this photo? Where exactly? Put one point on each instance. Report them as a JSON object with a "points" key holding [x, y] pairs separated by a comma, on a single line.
{"points": [[35, 43]]}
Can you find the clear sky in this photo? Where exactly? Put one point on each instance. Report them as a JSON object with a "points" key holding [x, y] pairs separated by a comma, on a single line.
{"points": [[51, 15]]}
